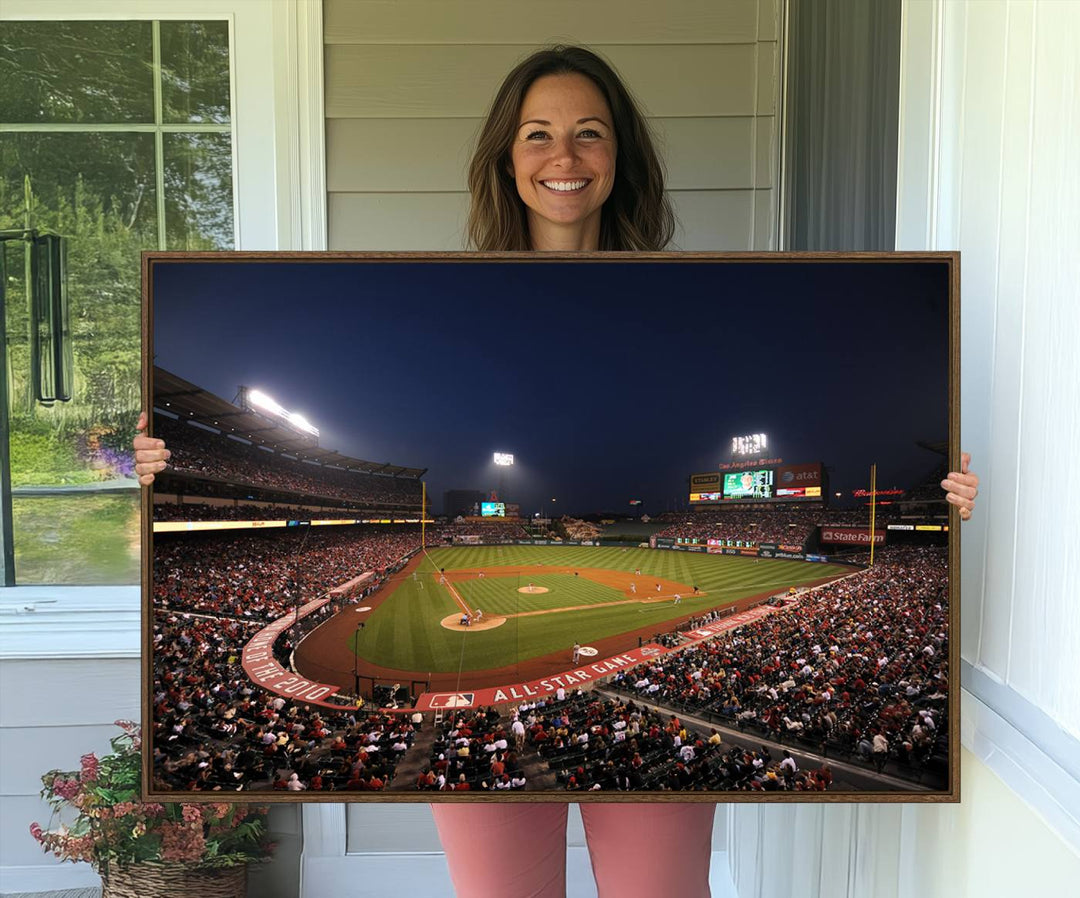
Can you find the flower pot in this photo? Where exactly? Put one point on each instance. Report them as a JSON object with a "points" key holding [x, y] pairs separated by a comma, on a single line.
{"points": [[150, 880]]}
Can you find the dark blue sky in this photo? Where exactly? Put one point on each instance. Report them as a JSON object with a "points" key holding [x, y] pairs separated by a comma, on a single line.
{"points": [[607, 380]]}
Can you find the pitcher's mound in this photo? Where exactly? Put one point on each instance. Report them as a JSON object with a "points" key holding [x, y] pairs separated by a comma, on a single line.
{"points": [[453, 622], [532, 590]]}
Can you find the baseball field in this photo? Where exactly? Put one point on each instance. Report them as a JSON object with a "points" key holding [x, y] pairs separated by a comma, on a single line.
{"points": [[532, 604]]}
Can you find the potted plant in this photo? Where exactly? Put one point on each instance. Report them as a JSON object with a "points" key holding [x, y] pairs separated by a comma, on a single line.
{"points": [[141, 848]]}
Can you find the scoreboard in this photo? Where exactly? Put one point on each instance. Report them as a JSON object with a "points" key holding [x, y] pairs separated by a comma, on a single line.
{"points": [[779, 483]]}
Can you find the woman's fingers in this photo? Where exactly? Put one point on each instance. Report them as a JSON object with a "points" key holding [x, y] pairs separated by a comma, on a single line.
{"points": [[151, 456], [961, 487]]}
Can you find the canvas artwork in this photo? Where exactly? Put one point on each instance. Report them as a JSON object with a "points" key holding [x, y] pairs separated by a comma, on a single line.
{"points": [[611, 527]]}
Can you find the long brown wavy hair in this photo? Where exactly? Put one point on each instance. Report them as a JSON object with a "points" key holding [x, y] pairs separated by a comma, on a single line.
{"points": [[637, 214]]}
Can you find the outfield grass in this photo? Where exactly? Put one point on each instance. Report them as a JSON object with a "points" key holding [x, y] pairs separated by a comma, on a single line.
{"points": [[405, 631]]}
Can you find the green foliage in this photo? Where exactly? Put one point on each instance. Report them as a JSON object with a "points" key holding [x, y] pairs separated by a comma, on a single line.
{"points": [[99, 190], [40, 458]]}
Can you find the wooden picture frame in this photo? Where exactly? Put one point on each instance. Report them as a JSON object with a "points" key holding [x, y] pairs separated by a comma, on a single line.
{"points": [[679, 351]]}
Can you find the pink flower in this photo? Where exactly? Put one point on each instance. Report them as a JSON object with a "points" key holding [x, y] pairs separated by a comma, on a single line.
{"points": [[65, 788], [89, 767], [37, 832], [181, 842], [191, 813]]}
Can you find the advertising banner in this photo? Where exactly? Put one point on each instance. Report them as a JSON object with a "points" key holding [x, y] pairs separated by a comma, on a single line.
{"points": [[663, 542], [264, 670], [792, 476], [783, 553], [767, 553], [703, 483], [851, 536]]}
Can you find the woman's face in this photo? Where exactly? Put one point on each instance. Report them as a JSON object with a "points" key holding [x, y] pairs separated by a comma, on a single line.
{"points": [[563, 160]]}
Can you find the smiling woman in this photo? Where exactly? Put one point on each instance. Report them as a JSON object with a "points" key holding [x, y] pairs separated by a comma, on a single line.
{"points": [[562, 117], [563, 161]]}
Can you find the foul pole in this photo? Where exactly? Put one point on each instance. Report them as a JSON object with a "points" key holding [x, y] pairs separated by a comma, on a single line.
{"points": [[423, 515], [873, 508]]}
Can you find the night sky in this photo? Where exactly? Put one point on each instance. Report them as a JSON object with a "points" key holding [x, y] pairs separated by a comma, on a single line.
{"points": [[608, 381]]}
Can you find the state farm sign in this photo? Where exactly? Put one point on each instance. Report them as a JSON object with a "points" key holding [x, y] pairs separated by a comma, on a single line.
{"points": [[851, 536]]}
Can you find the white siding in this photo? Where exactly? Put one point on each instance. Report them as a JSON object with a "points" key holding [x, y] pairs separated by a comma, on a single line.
{"points": [[408, 83]]}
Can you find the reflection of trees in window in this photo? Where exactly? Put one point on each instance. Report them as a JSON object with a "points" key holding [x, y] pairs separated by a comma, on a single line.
{"points": [[116, 135]]}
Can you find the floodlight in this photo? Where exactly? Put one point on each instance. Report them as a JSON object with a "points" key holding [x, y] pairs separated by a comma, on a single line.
{"points": [[504, 458], [260, 399]]}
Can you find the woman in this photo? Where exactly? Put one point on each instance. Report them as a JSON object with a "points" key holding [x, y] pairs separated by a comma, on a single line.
{"points": [[565, 162]]}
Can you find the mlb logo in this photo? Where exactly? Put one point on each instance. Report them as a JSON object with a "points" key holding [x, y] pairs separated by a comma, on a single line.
{"points": [[703, 632], [452, 700], [647, 652]]}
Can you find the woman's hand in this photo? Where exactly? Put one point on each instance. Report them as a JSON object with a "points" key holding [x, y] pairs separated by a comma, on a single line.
{"points": [[150, 454], [962, 487]]}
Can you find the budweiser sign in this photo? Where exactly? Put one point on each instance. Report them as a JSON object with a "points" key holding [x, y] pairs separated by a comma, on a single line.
{"points": [[857, 536]]}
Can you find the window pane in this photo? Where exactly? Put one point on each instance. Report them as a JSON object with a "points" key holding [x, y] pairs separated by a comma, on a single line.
{"points": [[98, 191], [82, 540], [198, 192], [195, 71], [76, 72]]}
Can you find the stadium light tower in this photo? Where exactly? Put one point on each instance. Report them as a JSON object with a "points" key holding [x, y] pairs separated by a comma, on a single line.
{"points": [[503, 460]]}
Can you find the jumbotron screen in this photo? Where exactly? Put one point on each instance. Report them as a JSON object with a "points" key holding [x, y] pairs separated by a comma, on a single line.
{"points": [[749, 485], [492, 510]]}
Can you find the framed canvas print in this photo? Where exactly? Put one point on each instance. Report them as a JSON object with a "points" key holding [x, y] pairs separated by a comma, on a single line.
{"points": [[595, 527]]}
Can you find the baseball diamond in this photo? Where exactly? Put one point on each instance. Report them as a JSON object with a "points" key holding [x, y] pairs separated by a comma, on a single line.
{"points": [[415, 631]]}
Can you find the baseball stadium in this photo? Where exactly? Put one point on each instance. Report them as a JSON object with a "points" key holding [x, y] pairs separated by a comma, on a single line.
{"points": [[318, 625]]}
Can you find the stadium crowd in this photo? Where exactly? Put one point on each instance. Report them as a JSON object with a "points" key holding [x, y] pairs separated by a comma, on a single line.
{"points": [[859, 666], [262, 575], [216, 731], [198, 451], [475, 751], [267, 511], [781, 524], [476, 531], [213, 728], [593, 744]]}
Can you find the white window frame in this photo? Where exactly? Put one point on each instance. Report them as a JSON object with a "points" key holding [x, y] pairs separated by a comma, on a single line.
{"points": [[279, 200]]}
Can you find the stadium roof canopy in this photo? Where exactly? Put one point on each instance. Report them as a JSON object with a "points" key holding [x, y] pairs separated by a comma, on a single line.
{"points": [[193, 403]]}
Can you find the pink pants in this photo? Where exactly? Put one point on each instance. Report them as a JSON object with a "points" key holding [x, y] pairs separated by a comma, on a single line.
{"points": [[519, 850]]}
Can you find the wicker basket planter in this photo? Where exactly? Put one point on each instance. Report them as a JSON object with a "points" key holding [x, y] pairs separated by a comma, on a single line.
{"points": [[174, 881]]}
